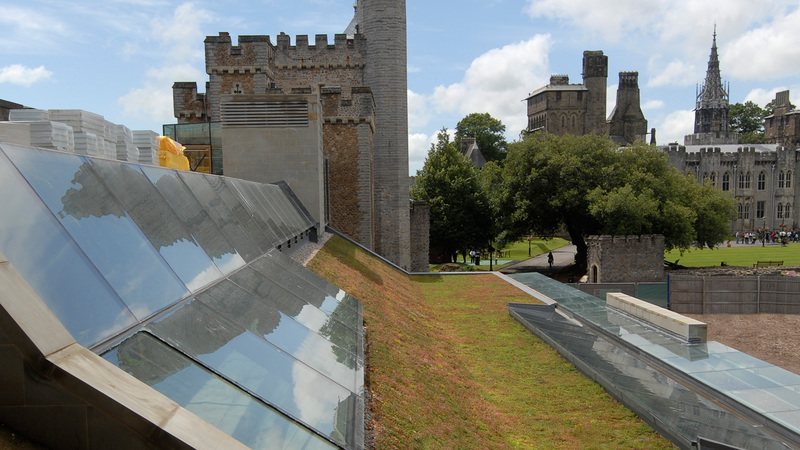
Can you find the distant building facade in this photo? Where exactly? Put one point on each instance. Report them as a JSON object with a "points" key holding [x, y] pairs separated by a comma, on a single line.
{"points": [[563, 108], [761, 178], [782, 127]]}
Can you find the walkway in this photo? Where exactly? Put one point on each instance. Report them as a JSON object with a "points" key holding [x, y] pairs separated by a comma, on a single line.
{"points": [[562, 257]]}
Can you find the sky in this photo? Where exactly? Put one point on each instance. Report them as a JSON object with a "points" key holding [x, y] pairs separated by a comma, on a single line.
{"points": [[119, 58]]}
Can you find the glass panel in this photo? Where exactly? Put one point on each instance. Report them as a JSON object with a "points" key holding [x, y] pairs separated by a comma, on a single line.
{"points": [[287, 334], [195, 218], [54, 265], [222, 216], [260, 368], [102, 229], [266, 212], [296, 307], [158, 222], [263, 237], [208, 396]]}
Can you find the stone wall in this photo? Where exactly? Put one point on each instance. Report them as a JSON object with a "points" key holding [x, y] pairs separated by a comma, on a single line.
{"points": [[420, 236], [625, 258]]}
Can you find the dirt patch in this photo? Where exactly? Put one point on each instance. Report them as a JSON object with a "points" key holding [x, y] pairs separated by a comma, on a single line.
{"points": [[770, 337]]}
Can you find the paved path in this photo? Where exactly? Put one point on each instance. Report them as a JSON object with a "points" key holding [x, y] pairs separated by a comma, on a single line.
{"points": [[562, 257]]}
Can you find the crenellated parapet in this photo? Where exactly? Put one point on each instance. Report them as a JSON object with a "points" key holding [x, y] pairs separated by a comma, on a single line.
{"points": [[188, 105], [344, 53], [357, 108]]}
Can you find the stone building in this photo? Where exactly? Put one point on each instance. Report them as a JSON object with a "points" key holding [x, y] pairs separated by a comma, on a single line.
{"points": [[759, 177], [266, 104], [564, 108], [711, 122], [613, 259], [782, 127]]}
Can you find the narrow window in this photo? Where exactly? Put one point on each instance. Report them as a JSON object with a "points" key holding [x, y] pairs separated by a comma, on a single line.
{"points": [[781, 180], [760, 209], [762, 181], [788, 179], [747, 181], [746, 211], [779, 214], [726, 181], [739, 208]]}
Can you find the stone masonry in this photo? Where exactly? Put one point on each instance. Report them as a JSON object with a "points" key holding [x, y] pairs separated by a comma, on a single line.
{"points": [[614, 259]]}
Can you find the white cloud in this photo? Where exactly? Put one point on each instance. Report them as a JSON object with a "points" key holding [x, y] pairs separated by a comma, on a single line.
{"points": [[418, 146], [181, 40], [25, 29], [761, 96], [769, 51], [419, 111], [675, 73], [653, 104], [611, 99], [674, 127], [496, 82], [24, 76]]}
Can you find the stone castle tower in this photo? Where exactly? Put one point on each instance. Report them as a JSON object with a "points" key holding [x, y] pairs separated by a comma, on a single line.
{"points": [[316, 114], [627, 122], [383, 23], [595, 78], [711, 115]]}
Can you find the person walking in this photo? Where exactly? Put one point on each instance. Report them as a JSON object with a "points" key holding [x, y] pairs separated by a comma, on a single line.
{"points": [[550, 260]]}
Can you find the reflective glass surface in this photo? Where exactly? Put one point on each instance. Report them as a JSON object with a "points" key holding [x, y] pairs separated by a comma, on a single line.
{"points": [[316, 350], [53, 264], [258, 196], [264, 238], [158, 222], [208, 396], [212, 203], [278, 296], [740, 377], [102, 228], [270, 374], [192, 214]]}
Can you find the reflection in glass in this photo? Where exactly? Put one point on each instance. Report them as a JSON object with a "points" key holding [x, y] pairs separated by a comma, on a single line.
{"points": [[211, 202], [208, 396], [191, 213], [263, 210], [54, 265], [102, 228], [284, 332], [264, 238], [259, 367], [158, 222]]}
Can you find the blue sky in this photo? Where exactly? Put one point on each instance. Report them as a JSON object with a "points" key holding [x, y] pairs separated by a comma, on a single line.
{"points": [[119, 58]]}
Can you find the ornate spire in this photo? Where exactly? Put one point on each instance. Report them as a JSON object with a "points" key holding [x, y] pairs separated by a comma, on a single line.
{"points": [[713, 93]]}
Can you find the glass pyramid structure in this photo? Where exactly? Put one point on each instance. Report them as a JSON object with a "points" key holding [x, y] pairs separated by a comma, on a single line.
{"points": [[182, 281]]}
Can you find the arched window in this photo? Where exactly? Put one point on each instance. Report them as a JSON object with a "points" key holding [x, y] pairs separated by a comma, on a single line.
{"points": [[741, 181], [762, 181], [747, 181], [779, 214], [787, 211], [781, 180], [788, 179], [740, 209], [563, 120], [573, 121], [726, 181], [746, 211], [713, 177]]}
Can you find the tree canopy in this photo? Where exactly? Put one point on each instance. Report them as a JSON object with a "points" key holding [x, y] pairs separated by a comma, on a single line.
{"points": [[488, 133], [588, 185], [450, 184], [747, 119]]}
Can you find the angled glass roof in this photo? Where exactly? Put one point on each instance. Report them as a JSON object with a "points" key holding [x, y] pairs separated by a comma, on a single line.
{"points": [[640, 364], [178, 279]]}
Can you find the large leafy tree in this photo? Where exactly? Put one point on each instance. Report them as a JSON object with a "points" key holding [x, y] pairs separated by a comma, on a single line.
{"points": [[489, 134], [747, 119], [450, 184], [588, 185]]}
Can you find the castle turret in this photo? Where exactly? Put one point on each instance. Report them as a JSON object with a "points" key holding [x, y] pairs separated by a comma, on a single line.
{"points": [[595, 78], [383, 24], [627, 123]]}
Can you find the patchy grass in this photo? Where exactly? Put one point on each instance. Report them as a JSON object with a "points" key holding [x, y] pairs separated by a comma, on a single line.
{"points": [[449, 368], [744, 256]]}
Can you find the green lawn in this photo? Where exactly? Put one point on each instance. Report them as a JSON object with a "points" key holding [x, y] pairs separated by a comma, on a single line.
{"points": [[744, 256]]}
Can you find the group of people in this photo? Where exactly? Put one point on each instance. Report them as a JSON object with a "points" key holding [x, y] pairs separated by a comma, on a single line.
{"points": [[767, 236]]}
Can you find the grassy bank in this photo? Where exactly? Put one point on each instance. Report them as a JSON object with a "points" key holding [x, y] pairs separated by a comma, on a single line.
{"points": [[449, 368], [744, 256]]}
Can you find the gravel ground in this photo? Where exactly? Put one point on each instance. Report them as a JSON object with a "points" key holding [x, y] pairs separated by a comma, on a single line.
{"points": [[774, 338]]}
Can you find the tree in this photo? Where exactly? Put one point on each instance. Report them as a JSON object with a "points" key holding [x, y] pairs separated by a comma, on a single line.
{"points": [[488, 133], [748, 120], [450, 184], [589, 186]]}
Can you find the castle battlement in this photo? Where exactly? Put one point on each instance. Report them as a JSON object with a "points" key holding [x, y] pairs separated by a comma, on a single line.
{"points": [[629, 79], [710, 150]]}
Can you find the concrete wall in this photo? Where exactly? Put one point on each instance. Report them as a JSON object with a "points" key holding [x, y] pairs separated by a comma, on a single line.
{"points": [[734, 295], [625, 258], [270, 154]]}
